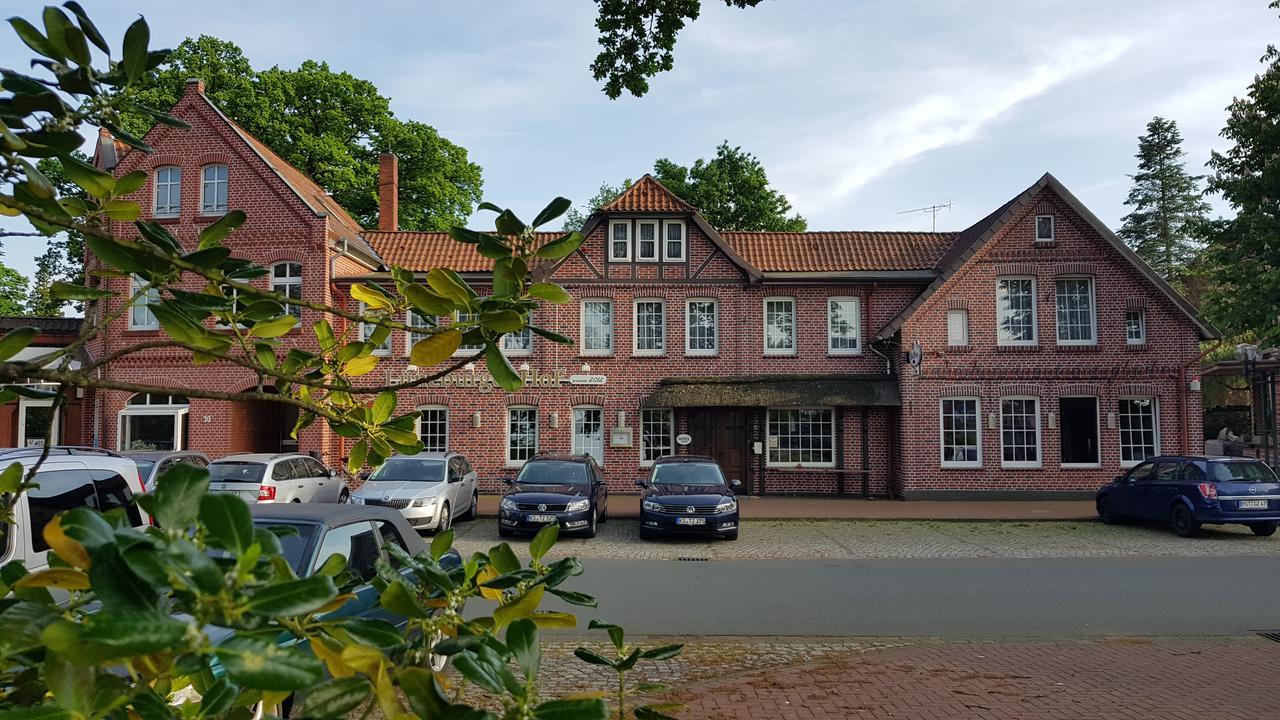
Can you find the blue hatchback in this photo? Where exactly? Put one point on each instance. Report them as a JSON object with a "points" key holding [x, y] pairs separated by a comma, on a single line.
{"points": [[1188, 491]]}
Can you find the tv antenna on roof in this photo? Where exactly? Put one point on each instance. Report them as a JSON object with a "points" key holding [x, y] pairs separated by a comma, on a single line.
{"points": [[932, 210]]}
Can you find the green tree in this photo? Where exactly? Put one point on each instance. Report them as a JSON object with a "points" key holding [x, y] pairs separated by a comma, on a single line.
{"points": [[1169, 209], [63, 258], [13, 292], [331, 126], [574, 218], [732, 191]]}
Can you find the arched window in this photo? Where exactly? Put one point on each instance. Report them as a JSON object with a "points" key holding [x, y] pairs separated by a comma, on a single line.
{"points": [[213, 190], [168, 199], [150, 421], [286, 279]]}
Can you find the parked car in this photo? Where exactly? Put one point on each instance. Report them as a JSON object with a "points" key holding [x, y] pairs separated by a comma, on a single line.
{"points": [[428, 489], [565, 489], [1188, 491], [688, 494], [153, 464], [277, 478]]}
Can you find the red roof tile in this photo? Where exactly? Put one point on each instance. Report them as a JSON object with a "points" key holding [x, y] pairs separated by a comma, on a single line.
{"points": [[648, 195], [843, 251], [422, 251]]}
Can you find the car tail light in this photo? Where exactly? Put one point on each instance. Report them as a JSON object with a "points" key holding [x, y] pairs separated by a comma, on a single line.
{"points": [[266, 492], [1209, 491]]}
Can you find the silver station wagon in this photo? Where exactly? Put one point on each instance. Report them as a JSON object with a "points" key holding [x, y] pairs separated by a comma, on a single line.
{"points": [[277, 478], [430, 489]]}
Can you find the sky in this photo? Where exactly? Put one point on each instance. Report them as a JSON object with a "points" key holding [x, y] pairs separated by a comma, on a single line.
{"points": [[858, 109]]}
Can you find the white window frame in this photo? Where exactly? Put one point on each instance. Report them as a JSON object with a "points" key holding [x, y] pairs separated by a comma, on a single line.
{"points": [[582, 328], [942, 446], [857, 326], [1039, 434], [410, 337], [613, 256], [170, 185], [282, 284], [669, 447], [23, 404], [684, 241], [1035, 313], [635, 328], [1053, 228], [507, 460], [715, 328], [1155, 430], [207, 208], [511, 350], [952, 339], [176, 411], [152, 295], [764, 316], [657, 240], [434, 408], [581, 449], [772, 444], [1097, 419], [1142, 327], [1093, 310], [367, 330]]}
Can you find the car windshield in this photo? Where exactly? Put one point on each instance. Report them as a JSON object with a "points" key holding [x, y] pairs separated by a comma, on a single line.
{"points": [[144, 466], [687, 474], [236, 471], [293, 545], [410, 470], [1245, 472], [553, 472]]}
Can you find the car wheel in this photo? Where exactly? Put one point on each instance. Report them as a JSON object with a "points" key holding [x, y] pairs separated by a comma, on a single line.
{"points": [[647, 534], [296, 500], [1105, 512], [445, 518], [475, 506], [503, 532], [1183, 522], [732, 536], [344, 496], [1263, 529], [590, 532]]}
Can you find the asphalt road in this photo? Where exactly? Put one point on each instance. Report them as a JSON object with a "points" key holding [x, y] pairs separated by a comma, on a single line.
{"points": [[953, 598]]}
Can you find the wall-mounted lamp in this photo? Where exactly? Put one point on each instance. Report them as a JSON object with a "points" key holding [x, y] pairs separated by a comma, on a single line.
{"points": [[622, 418], [586, 367], [524, 367], [991, 421], [469, 367], [475, 419], [1111, 421], [554, 420], [1053, 420]]}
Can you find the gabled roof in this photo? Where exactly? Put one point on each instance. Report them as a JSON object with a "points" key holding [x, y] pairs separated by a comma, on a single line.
{"points": [[420, 251], [648, 195], [848, 251], [973, 238]]}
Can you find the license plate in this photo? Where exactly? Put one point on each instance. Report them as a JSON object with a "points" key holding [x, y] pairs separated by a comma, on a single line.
{"points": [[541, 518], [1253, 505], [691, 521]]}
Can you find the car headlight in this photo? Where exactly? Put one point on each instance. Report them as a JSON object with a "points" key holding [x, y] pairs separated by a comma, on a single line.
{"points": [[508, 504], [727, 506], [356, 500], [651, 506], [577, 505], [423, 502]]}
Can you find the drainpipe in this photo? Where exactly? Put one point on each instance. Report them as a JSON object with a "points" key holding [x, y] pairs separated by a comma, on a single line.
{"points": [[1184, 393]]}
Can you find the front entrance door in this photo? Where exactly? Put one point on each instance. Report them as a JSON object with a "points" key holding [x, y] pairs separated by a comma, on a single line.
{"points": [[1079, 430], [721, 433]]}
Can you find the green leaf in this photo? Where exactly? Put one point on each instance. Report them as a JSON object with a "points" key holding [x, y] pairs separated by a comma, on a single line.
{"points": [[116, 585], [666, 652], [157, 235], [427, 303], [275, 327], [441, 543], [654, 712], [488, 677], [67, 291], [488, 206], [94, 181], [71, 685], [88, 528], [35, 39], [465, 235], [573, 598], [134, 632], [506, 283], [213, 234], [228, 521], [208, 258], [522, 640], [548, 620], [435, 348], [401, 600], [449, 285], [15, 340], [11, 478], [383, 407], [122, 210], [503, 321], [65, 36], [508, 224], [561, 247], [90, 30], [293, 597], [544, 541], [134, 57], [218, 698], [553, 210], [550, 292], [336, 698], [554, 337], [615, 632], [118, 254], [178, 493], [324, 334], [522, 607], [503, 559], [500, 368], [592, 657], [264, 665], [572, 709], [374, 633], [131, 183]]}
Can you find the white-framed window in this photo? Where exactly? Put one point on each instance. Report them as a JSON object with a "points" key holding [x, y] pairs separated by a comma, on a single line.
{"points": [[597, 327], [1076, 318], [960, 424], [1020, 432], [38, 422], [647, 240], [140, 315], [1044, 228], [153, 422], [168, 195], [1135, 327], [518, 344], [467, 348], [1139, 424], [657, 433], [1016, 310], [802, 437], [650, 327], [702, 327], [213, 190], [958, 328], [414, 320], [366, 332], [286, 279], [588, 432], [522, 434], [844, 326], [673, 240], [779, 326], [620, 240], [433, 428]]}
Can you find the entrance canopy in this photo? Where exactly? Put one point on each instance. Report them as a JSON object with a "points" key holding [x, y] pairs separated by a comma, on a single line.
{"points": [[776, 391]]}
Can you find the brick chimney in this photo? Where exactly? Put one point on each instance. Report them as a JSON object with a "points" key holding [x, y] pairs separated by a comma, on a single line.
{"points": [[388, 193], [196, 85]]}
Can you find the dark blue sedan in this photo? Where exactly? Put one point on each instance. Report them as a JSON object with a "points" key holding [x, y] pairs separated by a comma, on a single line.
{"points": [[568, 490], [688, 494], [1190, 491]]}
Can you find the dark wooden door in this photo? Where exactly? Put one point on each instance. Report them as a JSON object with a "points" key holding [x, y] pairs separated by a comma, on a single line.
{"points": [[721, 433]]}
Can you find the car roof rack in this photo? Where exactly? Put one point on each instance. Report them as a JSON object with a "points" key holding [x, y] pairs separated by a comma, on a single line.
{"points": [[60, 450]]}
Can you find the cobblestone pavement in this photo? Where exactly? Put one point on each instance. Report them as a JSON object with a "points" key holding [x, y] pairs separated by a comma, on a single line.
{"points": [[867, 539]]}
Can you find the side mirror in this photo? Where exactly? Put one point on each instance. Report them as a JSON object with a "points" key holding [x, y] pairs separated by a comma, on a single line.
{"points": [[641, 483], [364, 474], [736, 484], [331, 472], [508, 481]]}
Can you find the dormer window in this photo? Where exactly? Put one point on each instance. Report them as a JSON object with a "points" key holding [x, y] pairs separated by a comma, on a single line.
{"points": [[620, 241], [673, 247], [647, 240], [168, 191], [213, 190], [1044, 228]]}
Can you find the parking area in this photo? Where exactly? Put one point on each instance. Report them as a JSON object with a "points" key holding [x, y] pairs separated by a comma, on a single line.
{"points": [[870, 539]]}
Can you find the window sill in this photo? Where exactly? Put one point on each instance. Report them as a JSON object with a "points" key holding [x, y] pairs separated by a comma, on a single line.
{"points": [[209, 217], [1080, 466], [1018, 348], [844, 353], [1136, 347], [949, 466], [1022, 466], [1072, 347], [1046, 243], [696, 354], [166, 219], [143, 331], [642, 354], [595, 354], [779, 355], [800, 468], [958, 349]]}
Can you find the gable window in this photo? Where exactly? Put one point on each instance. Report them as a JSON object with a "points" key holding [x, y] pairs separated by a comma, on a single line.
{"points": [[673, 248], [414, 320], [1075, 312], [367, 330], [702, 331], [1139, 431], [647, 240], [588, 432], [650, 328], [140, 315], [1135, 327], [844, 326], [467, 348], [1016, 310], [522, 434], [213, 190], [801, 437], [620, 240], [961, 433], [779, 326], [433, 428], [286, 279], [958, 328], [1020, 431], [657, 428], [168, 200], [1044, 228], [597, 327]]}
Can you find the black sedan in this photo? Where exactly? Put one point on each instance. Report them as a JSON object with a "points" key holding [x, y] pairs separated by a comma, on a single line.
{"points": [[688, 494], [565, 489]]}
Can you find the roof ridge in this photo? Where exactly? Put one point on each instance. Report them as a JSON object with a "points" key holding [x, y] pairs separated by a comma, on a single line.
{"points": [[632, 200]]}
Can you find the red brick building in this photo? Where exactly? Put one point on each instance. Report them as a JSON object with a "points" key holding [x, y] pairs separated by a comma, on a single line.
{"points": [[1049, 356], [25, 422]]}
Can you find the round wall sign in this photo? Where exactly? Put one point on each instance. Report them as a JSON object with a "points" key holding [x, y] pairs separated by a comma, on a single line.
{"points": [[916, 355], [683, 439]]}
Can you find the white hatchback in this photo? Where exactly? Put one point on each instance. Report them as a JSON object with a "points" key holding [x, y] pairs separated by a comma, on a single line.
{"points": [[277, 478], [430, 489]]}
